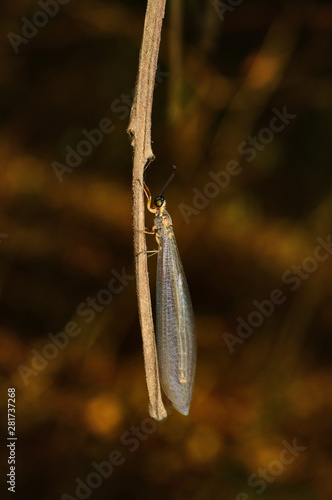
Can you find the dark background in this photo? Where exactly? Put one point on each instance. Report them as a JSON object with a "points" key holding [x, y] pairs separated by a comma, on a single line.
{"points": [[219, 82]]}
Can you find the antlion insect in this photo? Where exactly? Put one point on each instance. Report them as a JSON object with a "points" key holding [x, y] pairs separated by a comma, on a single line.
{"points": [[176, 339]]}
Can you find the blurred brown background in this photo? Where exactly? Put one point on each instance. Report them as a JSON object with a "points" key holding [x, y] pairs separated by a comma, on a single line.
{"points": [[225, 71]]}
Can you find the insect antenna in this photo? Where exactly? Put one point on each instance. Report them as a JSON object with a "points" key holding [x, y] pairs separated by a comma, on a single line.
{"points": [[168, 182]]}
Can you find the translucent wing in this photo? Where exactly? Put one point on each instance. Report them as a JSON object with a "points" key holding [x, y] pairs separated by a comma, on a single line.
{"points": [[176, 340]]}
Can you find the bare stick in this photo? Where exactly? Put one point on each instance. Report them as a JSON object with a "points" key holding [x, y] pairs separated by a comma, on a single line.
{"points": [[140, 132]]}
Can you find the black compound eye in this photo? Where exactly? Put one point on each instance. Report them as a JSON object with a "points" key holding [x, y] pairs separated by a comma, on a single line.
{"points": [[159, 201]]}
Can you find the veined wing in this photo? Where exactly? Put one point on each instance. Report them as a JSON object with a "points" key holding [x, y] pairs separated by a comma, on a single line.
{"points": [[176, 340]]}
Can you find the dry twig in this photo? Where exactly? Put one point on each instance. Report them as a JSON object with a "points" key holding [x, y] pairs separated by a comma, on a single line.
{"points": [[140, 133]]}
